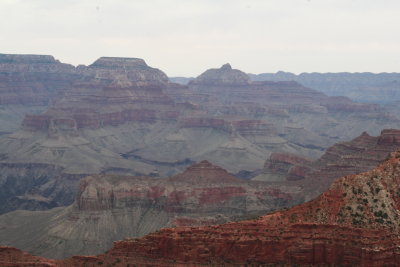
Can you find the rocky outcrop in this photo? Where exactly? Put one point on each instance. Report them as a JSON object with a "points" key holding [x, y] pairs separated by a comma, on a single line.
{"points": [[389, 137], [113, 92], [345, 158], [12, 257], [76, 134], [111, 207], [28, 84], [284, 167], [353, 223], [33, 79], [224, 76]]}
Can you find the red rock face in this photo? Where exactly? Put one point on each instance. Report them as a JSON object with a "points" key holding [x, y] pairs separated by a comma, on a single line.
{"points": [[202, 189], [360, 154], [113, 92], [291, 166], [389, 137], [346, 158], [351, 224], [12, 257], [354, 223]]}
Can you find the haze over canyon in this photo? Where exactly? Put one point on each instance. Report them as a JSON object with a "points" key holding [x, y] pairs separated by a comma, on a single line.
{"points": [[94, 154]]}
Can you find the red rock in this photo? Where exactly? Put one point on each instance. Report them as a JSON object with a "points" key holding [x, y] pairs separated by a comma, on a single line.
{"points": [[326, 231], [288, 158], [345, 158], [389, 137], [12, 257], [354, 223]]}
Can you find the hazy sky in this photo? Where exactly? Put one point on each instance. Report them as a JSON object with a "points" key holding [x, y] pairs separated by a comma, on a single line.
{"points": [[186, 37]]}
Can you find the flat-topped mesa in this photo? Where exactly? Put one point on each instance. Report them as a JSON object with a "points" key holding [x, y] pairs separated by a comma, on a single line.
{"points": [[389, 137], [31, 81], [16, 58], [205, 172], [12, 63], [125, 72], [119, 63], [113, 91], [225, 76]]}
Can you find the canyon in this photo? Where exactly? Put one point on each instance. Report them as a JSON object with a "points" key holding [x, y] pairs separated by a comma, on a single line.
{"points": [[98, 153], [121, 116], [353, 223], [111, 207]]}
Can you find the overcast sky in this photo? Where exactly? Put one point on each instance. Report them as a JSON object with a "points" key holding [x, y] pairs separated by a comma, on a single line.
{"points": [[186, 37]]}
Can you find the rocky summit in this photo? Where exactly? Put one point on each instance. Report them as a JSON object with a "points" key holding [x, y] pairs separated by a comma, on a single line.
{"points": [[353, 223], [111, 207]]}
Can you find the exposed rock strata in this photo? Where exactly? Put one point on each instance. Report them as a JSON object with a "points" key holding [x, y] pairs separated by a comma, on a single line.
{"points": [[354, 223], [345, 158], [122, 116], [28, 84], [111, 207]]}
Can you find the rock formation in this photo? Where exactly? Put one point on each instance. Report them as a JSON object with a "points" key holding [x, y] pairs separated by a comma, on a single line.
{"points": [[77, 135], [354, 223], [28, 84], [111, 207], [122, 116], [203, 194], [345, 158]]}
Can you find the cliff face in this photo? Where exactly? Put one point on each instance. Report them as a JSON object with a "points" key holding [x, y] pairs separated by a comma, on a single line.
{"points": [[78, 134], [345, 158], [114, 91], [111, 207], [354, 223], [28, 84]]}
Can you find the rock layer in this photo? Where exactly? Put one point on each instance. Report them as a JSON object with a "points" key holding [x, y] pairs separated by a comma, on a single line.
{"points": [[122, 116], [110, 207], [28, 84], [354, 223], [345, 158]]}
